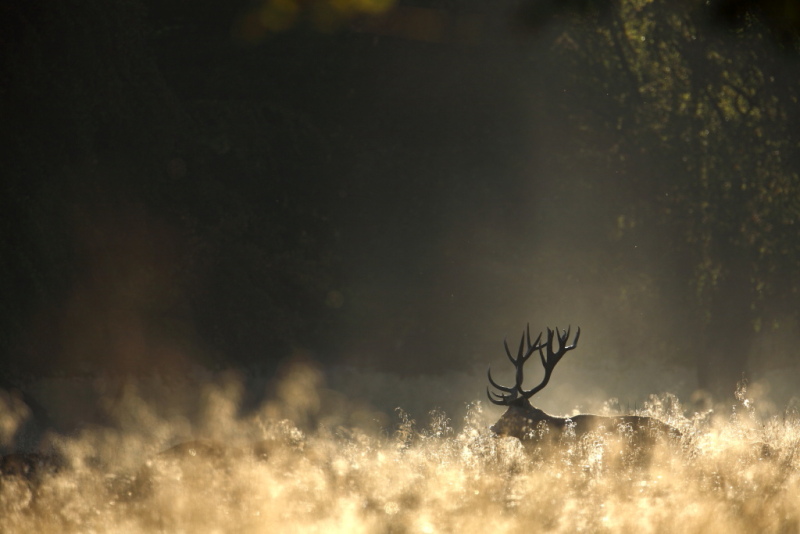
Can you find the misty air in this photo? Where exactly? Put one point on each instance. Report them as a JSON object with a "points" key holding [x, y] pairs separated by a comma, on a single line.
{"points": [[400, 266]]}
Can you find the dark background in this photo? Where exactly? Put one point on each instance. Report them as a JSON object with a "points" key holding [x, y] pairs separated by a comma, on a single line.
{"points": [[394, 189]]}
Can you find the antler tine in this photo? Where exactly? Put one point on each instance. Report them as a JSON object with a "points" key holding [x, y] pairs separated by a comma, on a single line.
{"points": [[549, 343], [562, 343], [538, 340], [575, 341], [502, 400], [531, 346], [520, 362], [528, 333], [508, 352], [495, 384]]}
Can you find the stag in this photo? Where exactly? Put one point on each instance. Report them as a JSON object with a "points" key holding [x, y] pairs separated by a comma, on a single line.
{"points": [[525, 422]]}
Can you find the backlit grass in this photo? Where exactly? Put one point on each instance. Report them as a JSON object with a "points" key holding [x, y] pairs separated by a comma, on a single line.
{"points": [[264, 473]]}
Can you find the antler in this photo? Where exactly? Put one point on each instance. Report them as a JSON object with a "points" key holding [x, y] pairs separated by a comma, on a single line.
{"points": [[519, 361], [549, 362]]}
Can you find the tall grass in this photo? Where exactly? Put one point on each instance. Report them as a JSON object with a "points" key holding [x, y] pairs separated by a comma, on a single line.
{"points": [[263, 473]]}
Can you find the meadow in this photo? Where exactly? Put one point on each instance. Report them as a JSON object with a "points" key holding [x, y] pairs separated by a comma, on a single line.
{"points": [[289, 467]]}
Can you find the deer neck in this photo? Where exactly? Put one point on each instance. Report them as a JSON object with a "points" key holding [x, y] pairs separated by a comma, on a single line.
{"points": [[524, 407]]}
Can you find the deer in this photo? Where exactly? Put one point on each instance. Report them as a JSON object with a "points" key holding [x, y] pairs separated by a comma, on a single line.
{"points": [[525, 422]]}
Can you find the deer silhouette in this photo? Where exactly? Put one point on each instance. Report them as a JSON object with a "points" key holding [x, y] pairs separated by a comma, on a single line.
{"points": [[526, 422]]}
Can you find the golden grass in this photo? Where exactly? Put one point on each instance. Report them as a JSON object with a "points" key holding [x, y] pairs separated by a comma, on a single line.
{"points": [[729, 474]]}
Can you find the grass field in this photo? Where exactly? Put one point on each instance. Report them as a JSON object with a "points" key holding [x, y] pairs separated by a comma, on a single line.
{"points": [[270, 473]]}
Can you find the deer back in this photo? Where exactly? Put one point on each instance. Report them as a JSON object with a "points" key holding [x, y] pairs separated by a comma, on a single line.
{"points": [[528, 423]]}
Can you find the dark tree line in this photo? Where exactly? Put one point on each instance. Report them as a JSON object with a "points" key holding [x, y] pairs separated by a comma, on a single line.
{"points": [[697, 104], [140, 217]]}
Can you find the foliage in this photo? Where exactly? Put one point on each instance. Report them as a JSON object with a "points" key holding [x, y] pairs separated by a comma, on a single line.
{"points": [[698, 122]]}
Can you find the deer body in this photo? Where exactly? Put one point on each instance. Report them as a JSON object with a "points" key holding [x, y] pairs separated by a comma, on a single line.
{"points": [[525, 422]]}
